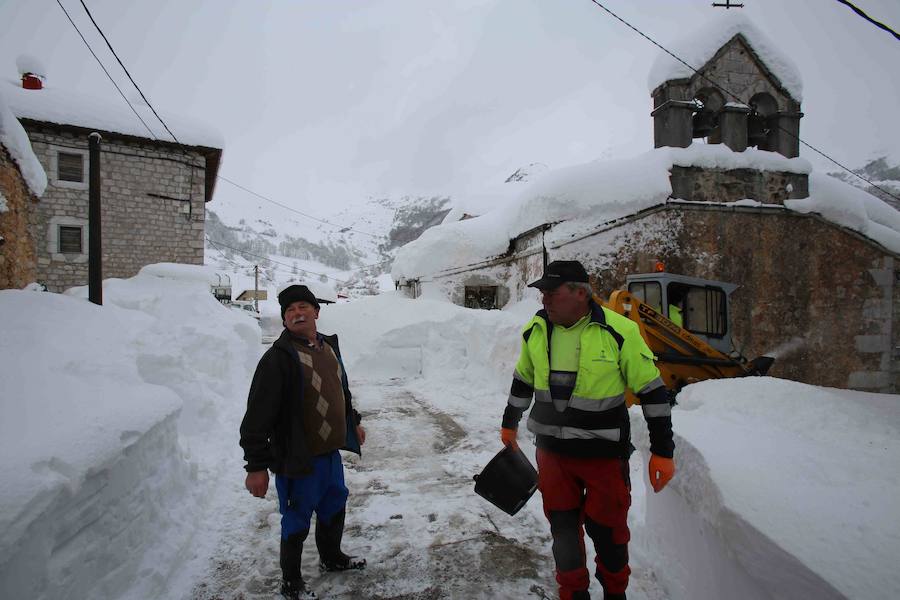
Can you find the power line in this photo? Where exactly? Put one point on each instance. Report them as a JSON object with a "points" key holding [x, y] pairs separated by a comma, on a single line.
{"points": [[862, 14], [99, 62], [736, 97], [153, 136], [340, 228], [133, 82]]}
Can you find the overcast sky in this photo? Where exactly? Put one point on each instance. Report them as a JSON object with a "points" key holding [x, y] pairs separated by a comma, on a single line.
{"points": [[324, 103]]}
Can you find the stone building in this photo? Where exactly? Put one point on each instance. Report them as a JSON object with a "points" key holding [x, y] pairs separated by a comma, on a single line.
{"points": [[816, 261], [153, 191], [22, 181]]}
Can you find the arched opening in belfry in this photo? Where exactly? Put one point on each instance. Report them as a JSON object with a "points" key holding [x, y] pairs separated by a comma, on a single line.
{"points": [[761, 122], [705, 122]]}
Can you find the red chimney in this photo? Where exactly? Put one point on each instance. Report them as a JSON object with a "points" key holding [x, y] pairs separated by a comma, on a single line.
{"points": [[30, 81]]}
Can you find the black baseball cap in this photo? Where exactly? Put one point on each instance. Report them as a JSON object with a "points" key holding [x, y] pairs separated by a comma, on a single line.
{"points": [[295, 293], [559, 272]]}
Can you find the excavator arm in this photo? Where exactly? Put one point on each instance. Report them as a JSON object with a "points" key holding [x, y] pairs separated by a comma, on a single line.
{"points": [[682, 358]]}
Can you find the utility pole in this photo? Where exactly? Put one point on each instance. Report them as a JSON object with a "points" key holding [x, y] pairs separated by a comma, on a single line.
{"points": [[95, 247], [727, 4], [256, 287]]}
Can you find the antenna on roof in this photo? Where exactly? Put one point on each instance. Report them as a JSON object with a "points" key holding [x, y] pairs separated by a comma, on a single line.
{"points": [[727, 4]]}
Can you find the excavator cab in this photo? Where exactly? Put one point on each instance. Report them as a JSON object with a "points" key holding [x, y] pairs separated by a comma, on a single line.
{"points": [[686, 323], [697, 305]]}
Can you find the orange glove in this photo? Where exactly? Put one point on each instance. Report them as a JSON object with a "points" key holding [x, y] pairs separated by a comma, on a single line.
{"points": [[508, 437], [661, 471]]}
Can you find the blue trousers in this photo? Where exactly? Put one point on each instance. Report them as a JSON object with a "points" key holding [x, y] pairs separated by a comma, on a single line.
{"points": [[322, 491]]}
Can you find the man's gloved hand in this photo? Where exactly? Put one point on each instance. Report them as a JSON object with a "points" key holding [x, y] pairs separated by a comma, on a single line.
{"points": [[508, 437], [661, 471]]}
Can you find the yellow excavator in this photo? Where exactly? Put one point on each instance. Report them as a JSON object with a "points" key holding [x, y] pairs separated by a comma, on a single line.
{"points": [[686, 322]]}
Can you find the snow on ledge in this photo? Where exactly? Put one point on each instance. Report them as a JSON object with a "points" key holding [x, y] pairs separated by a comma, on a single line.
{"points": [[720, 156], [701, 45], [851, 207]]}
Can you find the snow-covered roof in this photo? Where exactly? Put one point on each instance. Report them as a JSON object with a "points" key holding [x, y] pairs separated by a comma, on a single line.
{"points": [[697, 48], [66, 107], [15, 140], [851, 207], [602, 191]]}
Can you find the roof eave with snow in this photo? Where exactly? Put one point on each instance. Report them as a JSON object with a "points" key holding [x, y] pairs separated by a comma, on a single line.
{"points": [[212, 156]]}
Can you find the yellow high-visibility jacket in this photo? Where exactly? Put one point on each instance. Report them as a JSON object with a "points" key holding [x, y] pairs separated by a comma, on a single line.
{"points": [[593, 419]]}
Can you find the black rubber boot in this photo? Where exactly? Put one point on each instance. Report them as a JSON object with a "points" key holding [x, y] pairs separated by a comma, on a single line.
{"points": [[328, 541], [614, 596], [296, 590], [291, 551]]}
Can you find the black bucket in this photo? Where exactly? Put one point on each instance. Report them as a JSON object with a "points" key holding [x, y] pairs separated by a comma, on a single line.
{"points": [[508, 481]]}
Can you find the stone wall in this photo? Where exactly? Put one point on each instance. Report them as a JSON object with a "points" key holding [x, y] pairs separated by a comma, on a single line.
{"points": [[17, 249], [821, 299], [713, 185], [152, 211]]}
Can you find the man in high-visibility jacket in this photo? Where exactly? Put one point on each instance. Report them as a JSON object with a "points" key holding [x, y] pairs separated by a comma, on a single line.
{"points": [[576, 361]]}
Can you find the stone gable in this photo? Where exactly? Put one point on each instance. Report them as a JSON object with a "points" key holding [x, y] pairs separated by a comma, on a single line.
{"points": [[736, 68]]}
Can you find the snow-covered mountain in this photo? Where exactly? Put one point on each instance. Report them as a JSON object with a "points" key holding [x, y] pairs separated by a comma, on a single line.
{"points": [[884, 172], [349, 249]]}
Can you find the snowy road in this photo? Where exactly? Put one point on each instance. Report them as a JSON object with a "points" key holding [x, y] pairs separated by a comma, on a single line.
{"points": [[412, 512]]}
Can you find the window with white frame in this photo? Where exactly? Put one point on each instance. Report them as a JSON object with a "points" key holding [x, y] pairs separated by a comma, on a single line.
{"points": [[67, 239], [70, 238], [69, 167]]}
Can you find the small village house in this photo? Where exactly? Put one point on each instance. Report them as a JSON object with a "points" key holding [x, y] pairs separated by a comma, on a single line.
{"points": [[153, 189]]}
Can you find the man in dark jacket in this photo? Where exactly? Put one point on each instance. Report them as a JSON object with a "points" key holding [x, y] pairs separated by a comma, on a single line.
{"points": [[299, 414]]}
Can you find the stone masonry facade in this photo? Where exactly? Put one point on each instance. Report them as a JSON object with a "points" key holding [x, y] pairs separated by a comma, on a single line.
{"points": [[152, 206], [17, 260], [718, 185]]}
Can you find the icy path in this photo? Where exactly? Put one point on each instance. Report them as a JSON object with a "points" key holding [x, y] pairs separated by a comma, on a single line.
{"points": [[412, 512]]}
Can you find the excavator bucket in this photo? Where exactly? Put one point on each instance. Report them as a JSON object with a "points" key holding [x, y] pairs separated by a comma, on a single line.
{"points": [[760, 365]]}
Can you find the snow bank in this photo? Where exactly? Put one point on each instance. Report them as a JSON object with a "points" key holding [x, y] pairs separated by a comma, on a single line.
{"points": [[702, 44], [15, 140], [68, 107], [784, 490], [390, 335], [104, 415], [851, 207]]}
